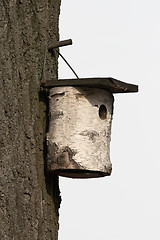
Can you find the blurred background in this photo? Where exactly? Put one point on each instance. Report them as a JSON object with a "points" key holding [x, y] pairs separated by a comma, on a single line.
{"points": [[119, 39]]}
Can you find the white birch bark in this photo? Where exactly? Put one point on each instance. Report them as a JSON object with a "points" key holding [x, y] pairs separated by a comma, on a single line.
{"points": [[80, 132]]}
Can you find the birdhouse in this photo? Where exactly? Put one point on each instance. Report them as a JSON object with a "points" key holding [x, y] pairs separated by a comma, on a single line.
{"points": [[80, 118]]}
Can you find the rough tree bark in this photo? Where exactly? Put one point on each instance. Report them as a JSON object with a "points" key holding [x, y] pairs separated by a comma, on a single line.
{"points": [[29, 196]]}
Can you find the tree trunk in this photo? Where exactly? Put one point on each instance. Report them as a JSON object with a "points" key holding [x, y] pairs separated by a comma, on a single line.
{"points": [[29, 196]]}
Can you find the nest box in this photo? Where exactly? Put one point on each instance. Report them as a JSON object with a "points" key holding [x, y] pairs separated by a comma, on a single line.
{"points": [[80, 117]]}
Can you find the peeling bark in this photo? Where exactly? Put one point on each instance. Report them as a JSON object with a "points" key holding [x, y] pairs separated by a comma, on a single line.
{"points": [[79, 134], [29, 196]]}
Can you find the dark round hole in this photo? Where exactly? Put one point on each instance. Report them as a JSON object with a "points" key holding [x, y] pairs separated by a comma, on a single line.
{"points": [[103, 112]]}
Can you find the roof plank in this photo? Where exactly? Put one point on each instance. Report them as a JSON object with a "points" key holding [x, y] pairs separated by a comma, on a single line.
{"points": [[110, 84]]}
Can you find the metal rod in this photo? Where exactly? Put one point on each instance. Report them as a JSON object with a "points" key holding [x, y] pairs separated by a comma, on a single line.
{"points": [[67, 63], [60, 44], [55, 45], [44, 63]]}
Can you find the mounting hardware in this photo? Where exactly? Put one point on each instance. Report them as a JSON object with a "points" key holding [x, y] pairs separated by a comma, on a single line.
{"points": [[54, 45]]}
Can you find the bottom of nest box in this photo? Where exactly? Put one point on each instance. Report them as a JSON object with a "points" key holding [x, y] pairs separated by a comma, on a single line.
{"points": [[72, 173]]}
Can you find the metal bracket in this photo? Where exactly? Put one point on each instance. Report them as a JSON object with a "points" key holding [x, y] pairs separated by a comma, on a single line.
{"points": [[110, 84], [54, 45]]}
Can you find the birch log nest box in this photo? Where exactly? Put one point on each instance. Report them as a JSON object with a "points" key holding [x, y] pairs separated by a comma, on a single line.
{"points": [[80, 117]]}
